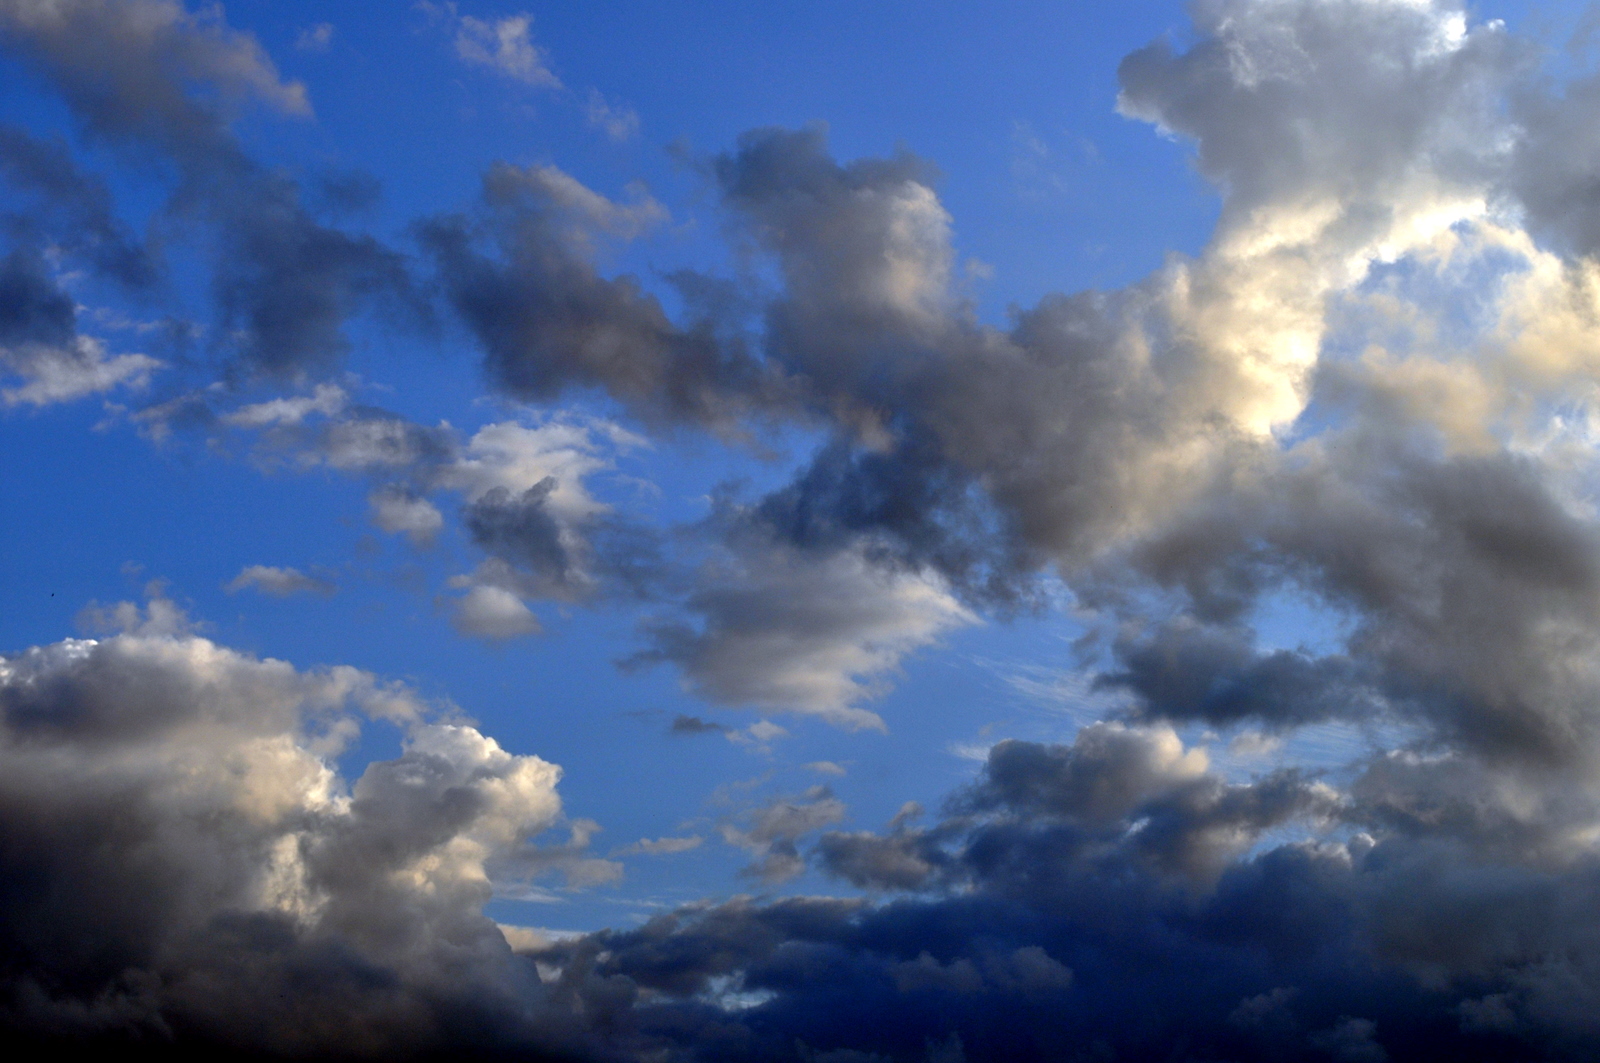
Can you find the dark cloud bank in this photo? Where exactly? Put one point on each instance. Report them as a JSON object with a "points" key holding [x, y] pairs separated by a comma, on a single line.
{"points": [[182, 871]]}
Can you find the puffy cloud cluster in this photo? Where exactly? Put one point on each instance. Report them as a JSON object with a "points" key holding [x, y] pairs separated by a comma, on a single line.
{"points": [[184, 864]]}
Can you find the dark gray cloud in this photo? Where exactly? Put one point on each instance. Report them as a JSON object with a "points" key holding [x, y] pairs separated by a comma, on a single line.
{"points": [[521, 530], [78, 213], [64, 215], [548, 321], [33, 311], [693, 725], [1108, 900], [284, 283]]}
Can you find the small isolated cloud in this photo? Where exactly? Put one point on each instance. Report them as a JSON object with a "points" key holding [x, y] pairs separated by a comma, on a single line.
{"points": [[618, 121], [494, 613], [826, 767], [1254, 744], [278, 582], [694, 725], [759, 736], [504, 45], [663, 846], [315, 38]]}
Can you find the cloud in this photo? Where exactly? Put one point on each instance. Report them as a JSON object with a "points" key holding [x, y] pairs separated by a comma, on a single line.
{"points": [[780, 629], [147, 76], [396, 510], [520, 272], [663, 846], [51, 375], [1113, 896], [278, 582], [41, 348], [1370, 392], [315, 38], [771, 832], [325, 399], [694, 725], [503, 45], [618, 121], [186, 864], [74, 209], [493, 613]]}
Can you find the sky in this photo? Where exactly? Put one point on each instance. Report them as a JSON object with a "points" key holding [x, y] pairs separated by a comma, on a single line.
{"points": [[817, 533]]}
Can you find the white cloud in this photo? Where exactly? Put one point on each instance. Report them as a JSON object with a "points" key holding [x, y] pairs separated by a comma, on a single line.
{"points": [[826, 767], [504, 45], [326, 399], [51, 374], [395, 509]]}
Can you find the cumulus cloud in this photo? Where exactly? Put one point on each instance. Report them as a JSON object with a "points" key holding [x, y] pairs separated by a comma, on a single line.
{"points": [[396, 510], [1110, 897], [520, 271], [186, 862]]}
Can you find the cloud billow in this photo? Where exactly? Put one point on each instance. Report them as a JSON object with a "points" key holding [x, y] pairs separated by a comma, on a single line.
{"points": [[184, 866]]}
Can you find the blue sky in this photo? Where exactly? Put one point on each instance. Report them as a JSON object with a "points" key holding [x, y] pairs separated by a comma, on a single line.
{"points": [[1015, 109], [998, 490]]}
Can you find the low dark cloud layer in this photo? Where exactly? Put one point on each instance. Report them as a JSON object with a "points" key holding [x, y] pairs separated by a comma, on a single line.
{"points": [[1112, 900]]}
